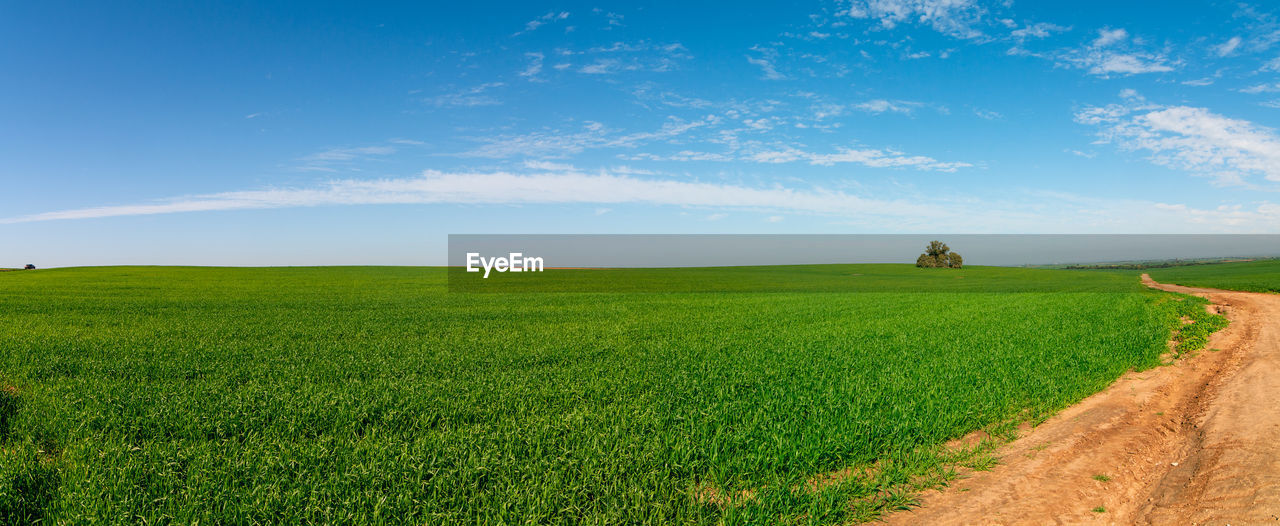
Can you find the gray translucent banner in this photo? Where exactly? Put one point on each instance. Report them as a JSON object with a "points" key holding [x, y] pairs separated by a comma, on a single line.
{"points": [[592, 262]]}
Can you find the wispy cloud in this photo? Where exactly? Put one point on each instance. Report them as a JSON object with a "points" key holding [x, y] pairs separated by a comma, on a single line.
{"points": [[1188, 138], [646, 93], [548, 18], [603, 66], [1032, 212], [1261, 29], [532, 70], [1021, 35], [1108, 36], [680, 156], [988, 114], [612, 20], [467, 98], [618, 57], [882, 105], [875, 158], [1226, 215], [330, 160], [569, 187], [1261, 88], [592, 135], [1227, 48], [766, 62], [1114, 52], [1037, 30], [956, 18]]}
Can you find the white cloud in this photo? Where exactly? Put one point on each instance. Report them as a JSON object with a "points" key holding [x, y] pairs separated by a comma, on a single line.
{"points": [[1038, 30], [593, 135], [1228, 47], [1020, 36], [1107, 37], [681, 156], [882, 105], [535, 66], [1022, 213], [988, 114], [329, 160], [1126, 64], [955, 18], [1261, 88], [550, 17], [1262, 214], [613, 20], [867, 157], [773, 219], [1206, 81], [1188, 138], [1262, 31], [602, 66], [347, 154], [548, 166], [467, 98], [561, 187], [1113, 52], [618, 57], [766, 62]]}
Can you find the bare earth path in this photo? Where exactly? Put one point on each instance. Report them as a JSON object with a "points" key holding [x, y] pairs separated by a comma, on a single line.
{"points": [[1196, 442]]}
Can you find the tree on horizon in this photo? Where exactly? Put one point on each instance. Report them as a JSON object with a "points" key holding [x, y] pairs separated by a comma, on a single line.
{"points": [[938, 255]]}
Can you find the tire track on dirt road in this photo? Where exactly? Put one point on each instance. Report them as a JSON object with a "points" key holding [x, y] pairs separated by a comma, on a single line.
{"points": [[1195, 442]]}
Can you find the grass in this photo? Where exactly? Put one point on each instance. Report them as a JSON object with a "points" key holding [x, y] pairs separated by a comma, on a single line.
{"points": [[795, 278], [1102, 478], [1252, 276], [372, 395]]}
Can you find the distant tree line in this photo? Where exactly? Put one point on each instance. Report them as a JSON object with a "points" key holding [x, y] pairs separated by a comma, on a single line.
{"points": [[1153, 264]]}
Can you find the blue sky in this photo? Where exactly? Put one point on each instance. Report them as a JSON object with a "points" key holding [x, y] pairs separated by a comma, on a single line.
{"points": [[340, 134]]}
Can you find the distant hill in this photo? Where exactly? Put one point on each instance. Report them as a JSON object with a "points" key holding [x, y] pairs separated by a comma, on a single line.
{"points": [[1150, 264]]}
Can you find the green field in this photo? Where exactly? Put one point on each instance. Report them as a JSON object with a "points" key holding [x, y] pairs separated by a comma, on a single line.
{"points": [[1253, 276], [371, 395], [792, 278]]}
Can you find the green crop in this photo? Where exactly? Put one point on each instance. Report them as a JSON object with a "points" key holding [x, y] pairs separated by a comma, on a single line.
{"points": [[1253, 276], [371, 395]]}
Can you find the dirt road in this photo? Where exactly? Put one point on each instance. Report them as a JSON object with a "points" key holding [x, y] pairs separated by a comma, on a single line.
{"points": [[1195, 442]]}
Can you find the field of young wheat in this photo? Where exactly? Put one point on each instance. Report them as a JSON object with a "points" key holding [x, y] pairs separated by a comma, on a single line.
{"points": [[374, 395], [1252, 276]]}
